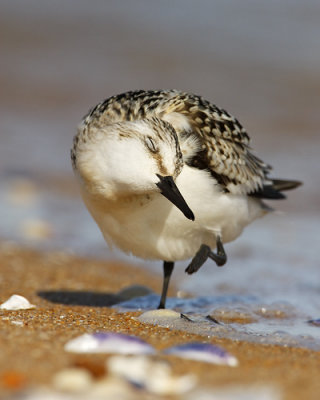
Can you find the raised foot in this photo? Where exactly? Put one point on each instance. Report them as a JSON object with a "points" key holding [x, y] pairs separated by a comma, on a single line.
{"points": [[204, 253], [220, 257], [199, 259]]}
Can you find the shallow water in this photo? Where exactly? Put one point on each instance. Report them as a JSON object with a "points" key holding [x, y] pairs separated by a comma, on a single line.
{"points": [[262, 65], [240, 318]]}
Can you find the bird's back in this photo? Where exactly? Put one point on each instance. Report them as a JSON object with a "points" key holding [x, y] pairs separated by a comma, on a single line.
{"points": [[222, 144]]}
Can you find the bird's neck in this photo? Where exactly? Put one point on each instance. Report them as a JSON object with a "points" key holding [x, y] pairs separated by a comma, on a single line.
{"points": [[117, 200]]}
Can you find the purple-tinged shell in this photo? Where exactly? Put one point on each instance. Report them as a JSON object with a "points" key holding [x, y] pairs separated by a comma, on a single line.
{"points": [[108, 342], [203, 352], [315, 322]]}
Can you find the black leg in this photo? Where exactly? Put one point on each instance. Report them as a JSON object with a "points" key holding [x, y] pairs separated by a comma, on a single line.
{"points": [[220, 258], [167, 271], [199, 259], [204, 253]]}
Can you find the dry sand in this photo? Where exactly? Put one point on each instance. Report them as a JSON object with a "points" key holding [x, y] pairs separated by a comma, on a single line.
{"points": [[32, 351]]}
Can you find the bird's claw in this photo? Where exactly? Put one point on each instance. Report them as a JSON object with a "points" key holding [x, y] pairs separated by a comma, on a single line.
{"points": [[204, 253]]}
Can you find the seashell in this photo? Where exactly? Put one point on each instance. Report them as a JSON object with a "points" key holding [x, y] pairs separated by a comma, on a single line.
{"points": [[156, 317], [152, 375], [16, 302], [203, 352], [108, 342]]}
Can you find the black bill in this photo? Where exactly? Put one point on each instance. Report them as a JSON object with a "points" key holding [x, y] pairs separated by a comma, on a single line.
{"points": [[171, 192]]}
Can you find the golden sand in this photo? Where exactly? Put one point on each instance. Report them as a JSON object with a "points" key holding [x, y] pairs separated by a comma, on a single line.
{"points": [[32, 341]]}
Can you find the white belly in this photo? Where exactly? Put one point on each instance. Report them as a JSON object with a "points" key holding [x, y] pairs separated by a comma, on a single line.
{"points": [[155, 229]]}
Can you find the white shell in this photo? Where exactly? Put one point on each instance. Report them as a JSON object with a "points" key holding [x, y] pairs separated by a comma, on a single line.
{"points": [[154, 376], [16, 302], [156, 317], [108, 342]]}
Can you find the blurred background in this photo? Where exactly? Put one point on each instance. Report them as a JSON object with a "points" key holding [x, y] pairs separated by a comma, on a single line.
{"points": [[259, 60]]}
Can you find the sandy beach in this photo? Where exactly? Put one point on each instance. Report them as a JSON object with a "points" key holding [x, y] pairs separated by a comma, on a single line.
{"points": [[259, 61], [32, 340]]}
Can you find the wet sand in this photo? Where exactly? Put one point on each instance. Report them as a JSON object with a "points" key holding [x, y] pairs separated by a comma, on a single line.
{"points": [[32, 351]]}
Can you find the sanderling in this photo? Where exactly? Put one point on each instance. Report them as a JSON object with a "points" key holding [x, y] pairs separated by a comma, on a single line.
{"points": [[169, 176]]}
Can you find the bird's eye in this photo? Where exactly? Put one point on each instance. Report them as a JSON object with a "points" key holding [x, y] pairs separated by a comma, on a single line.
{"points": [[151, 145]]}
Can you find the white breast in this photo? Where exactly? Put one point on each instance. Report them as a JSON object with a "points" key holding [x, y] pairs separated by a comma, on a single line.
{"points": [[155, 229]]}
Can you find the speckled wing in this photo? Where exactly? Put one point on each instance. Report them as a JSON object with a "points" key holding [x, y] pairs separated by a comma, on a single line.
{"points": [[224, 143], [225, 150]]}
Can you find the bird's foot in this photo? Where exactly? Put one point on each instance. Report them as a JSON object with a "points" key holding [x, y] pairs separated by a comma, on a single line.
{"points": [[204, 253], [199, 259], [220, 257]]}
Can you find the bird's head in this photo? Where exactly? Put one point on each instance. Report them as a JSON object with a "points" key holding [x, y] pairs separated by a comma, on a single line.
{"points": [[131, 157]]}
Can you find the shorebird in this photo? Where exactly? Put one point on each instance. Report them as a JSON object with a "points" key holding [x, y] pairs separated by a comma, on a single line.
{"points": [[169, 176]]}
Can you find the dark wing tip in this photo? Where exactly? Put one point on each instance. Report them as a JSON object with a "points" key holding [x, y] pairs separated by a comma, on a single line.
{"points": [[285, 184], [273, 190]]}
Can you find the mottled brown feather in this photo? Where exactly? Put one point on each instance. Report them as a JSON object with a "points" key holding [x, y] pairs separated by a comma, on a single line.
{"points": [[224, 143]]}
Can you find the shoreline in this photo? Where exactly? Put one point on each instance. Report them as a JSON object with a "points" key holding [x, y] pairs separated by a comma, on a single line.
{"points": [[32, 340]]}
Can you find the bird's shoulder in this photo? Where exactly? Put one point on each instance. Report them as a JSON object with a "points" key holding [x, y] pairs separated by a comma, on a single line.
{"points": [[224, 145]]}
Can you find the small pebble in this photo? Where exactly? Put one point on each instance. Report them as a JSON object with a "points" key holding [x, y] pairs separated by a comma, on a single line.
{"points": [[108, 342], [36, 229], [22, 192], [274, 311], [203, 352], [72, 380], [240, 315], [17, 323], [232, 392], [182, 294], [16, 302], [13, 380], [112, 388]]}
